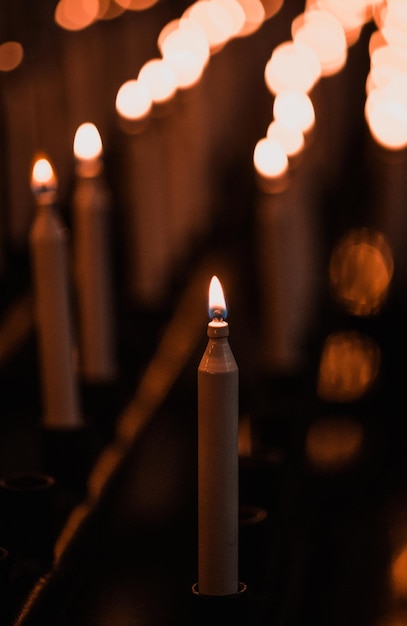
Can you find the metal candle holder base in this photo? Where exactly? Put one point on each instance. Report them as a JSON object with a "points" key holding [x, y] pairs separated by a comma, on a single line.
{"points": [[230, 609]]}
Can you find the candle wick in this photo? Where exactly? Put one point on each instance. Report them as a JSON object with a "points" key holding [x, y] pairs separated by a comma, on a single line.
{"points": [[217, 315]]}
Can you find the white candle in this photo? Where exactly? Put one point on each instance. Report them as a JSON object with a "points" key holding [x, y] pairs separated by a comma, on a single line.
{"points": [[218, 408], [92, 259], [48, 243]]}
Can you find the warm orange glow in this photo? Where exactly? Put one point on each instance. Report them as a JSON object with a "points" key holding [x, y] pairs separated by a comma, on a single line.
{"points": [[377, 40], [42, 175], [295, 110], [215, 20], [399, 573], [333, 443], [76, 14], [109, 10], [133, 100], [185, 49], [136, 5], [394, 15], [397, 617], [348, 367], [271, 7], [159, 79], [169, 28], [217, 303], [386, 115], [11, 55], [352, 14], [389, 55], [360, 271], [87, 142], [384, 75], [291, 139], [322, 32], [245, 438], [255, 15], [292, 66], [269, 158]]}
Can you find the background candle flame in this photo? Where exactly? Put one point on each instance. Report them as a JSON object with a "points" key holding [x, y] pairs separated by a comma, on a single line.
{"points": [[217, 303], [43, 176], [87, 142]]}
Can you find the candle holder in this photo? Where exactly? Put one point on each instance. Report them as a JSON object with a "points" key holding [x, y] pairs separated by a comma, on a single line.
{"points": [[227, 609]]}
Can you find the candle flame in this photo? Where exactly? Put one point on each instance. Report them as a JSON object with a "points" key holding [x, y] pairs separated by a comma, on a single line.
{"points": [[43, 177], [87, 143], [217, 303]]}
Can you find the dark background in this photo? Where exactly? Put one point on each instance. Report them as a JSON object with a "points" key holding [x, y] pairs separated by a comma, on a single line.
{"points": [[325, 550]]}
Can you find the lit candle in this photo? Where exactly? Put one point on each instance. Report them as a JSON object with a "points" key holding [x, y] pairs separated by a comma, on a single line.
{"points": [[91, 213], [53, 316], [218, 408]]}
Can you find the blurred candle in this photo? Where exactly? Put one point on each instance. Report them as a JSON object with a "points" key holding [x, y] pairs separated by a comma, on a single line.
{"points": [[217, 457], [48, 244], [92, 258]]}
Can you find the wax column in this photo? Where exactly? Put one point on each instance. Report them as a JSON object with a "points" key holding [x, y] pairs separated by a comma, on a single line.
{"points": [[91, 212], [218, 408], [48, 243]]}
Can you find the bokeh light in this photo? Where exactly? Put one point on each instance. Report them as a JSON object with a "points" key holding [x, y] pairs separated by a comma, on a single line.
{"points": [[255, 15], [324, 33], [76, 14], [333, 443], [360, 271], [291, 139], [133, 100], [295, 110], [159, 79], [269, 158], [136, 5], [87, 142], [348, 367], [352, 14], [386, 115], [185, 49], [215, 20], [11, 55], [292, 66]]}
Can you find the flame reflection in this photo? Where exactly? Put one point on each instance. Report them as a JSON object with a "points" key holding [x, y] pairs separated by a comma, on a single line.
{"points": [[348, 367], [332, 443], [360, 271]]}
